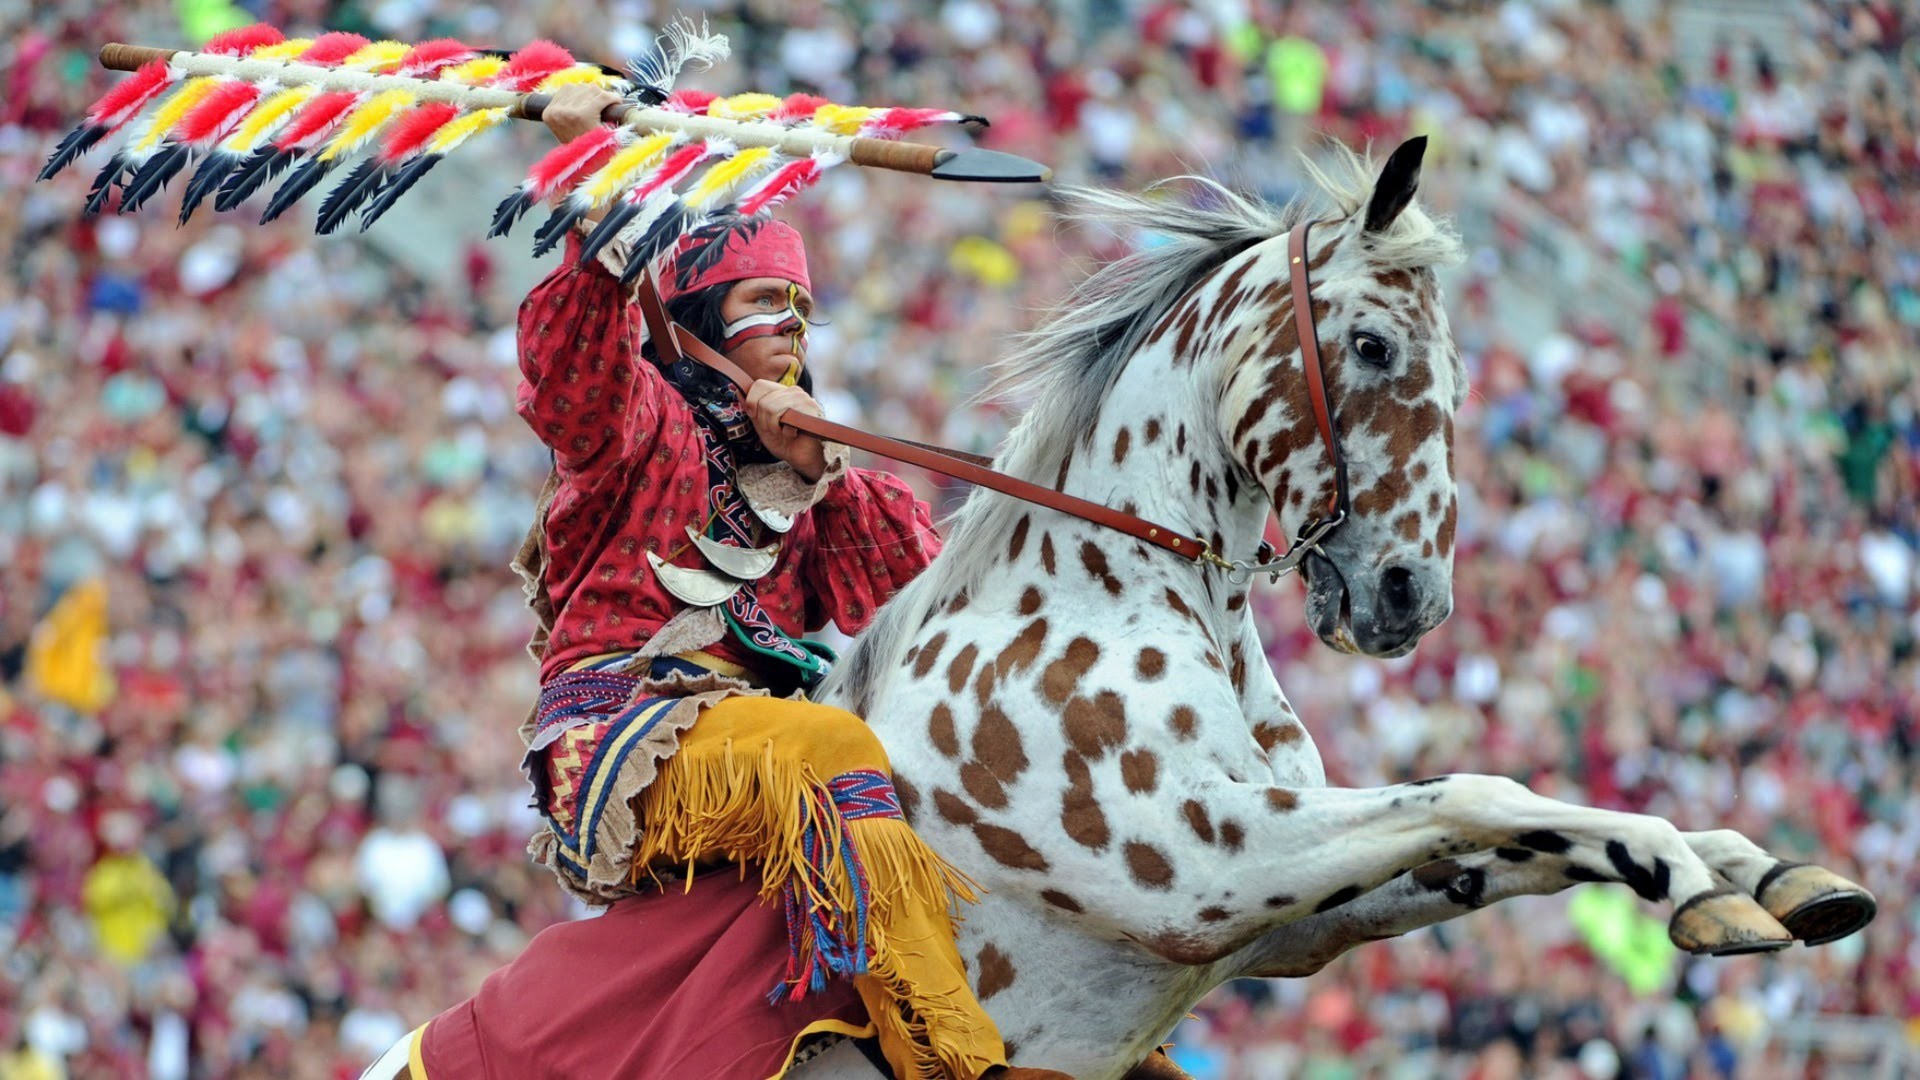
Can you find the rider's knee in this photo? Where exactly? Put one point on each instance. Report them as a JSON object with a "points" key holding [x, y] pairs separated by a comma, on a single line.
{"points": [[842, 742]]}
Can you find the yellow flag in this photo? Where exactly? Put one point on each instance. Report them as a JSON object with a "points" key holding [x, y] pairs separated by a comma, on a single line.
{"points": [[66, 657]]}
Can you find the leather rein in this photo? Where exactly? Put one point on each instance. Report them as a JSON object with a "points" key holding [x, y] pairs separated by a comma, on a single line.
{"points": [[673, 341]]}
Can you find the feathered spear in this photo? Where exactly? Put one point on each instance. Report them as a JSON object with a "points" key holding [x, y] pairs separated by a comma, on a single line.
{"points": [[253, 105]]}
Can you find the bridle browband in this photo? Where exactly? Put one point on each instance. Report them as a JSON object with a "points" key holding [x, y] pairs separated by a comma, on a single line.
{"points": [[673, 341]]}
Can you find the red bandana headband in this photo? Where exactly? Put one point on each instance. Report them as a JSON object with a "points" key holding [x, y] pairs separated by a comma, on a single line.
{"points": [[770, 249]]}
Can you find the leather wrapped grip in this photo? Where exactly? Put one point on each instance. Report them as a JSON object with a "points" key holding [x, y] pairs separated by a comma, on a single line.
{"points": [[117, 57]]}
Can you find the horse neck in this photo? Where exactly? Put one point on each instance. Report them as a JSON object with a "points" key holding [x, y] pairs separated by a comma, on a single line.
{"points": [[1155, 448]]}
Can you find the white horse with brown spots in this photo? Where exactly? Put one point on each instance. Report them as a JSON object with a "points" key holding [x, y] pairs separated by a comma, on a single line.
{"points": [[1086, 724]]}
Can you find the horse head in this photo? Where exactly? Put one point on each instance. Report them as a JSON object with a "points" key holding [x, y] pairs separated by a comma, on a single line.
{"points": [[1383, 576]]}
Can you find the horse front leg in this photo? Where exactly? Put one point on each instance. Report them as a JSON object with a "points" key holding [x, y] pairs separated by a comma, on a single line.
{"points": [[1816, 905], [1331, 846], [1434, 893]]}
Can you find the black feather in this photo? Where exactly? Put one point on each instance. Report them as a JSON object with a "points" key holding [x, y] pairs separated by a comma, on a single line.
{"points": [[360, 184], [103, 183], [281, 161], [246, 178], [554, 229], [404, 179], [709, 246], [151, 177], [509, 211], [78, 141], [205, 181], [609, 227], [661, 235], [302, 181]]}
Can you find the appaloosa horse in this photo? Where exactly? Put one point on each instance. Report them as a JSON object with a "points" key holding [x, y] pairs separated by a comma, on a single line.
{"points": [[1088, 726]]}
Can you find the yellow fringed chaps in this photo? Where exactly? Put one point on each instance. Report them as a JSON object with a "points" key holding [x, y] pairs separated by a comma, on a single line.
{"points": [[746, 784]]}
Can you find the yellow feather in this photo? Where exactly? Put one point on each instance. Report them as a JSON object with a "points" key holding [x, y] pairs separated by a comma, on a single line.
{"points": [[286, 50], [379, 56], [267, 116], [842, 119], [365, 120], [743, 106], [589, 74], [613, 176], [176, 107], [475, 71], [724, 177], [464, 128]]}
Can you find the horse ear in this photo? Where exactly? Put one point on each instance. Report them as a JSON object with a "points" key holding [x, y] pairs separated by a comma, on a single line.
{"points": [[1397, 183]]}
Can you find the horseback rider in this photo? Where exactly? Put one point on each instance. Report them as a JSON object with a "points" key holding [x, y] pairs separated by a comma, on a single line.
{"points": [[684, 544]]}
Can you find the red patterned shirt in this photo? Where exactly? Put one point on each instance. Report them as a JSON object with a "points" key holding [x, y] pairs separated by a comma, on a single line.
{"points": [[632, 476]]}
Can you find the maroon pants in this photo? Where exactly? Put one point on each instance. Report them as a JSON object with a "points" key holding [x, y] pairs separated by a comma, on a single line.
{"points": [[668, 984]]}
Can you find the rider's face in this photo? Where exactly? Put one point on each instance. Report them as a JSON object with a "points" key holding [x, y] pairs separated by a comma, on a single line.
{"points": [[766, 357]]}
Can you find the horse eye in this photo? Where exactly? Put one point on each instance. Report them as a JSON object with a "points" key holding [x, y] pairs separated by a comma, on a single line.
{"points": [[1372, 349]]}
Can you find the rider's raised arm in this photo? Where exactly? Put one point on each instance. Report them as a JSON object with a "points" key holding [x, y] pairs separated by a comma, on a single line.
{"points": [[585, 389]]}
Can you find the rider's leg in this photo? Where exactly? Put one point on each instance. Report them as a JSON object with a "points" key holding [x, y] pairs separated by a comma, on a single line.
{"points": [[806, 791]]}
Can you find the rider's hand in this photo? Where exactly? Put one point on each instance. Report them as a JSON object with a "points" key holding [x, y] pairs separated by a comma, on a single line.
{"points": [[575, 110], [766, 401]]}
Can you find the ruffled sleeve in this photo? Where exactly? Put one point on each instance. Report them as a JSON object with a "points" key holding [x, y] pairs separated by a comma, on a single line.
{"points": [[871, 537], [585, 389]]}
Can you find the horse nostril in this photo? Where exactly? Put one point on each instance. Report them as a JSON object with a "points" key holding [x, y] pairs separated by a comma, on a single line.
{"points": [[1396, 590]]}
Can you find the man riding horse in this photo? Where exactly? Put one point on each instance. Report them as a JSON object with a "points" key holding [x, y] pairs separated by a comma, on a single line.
{"points": [[684, 543]]}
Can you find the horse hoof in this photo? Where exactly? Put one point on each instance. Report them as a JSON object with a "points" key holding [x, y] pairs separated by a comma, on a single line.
{"points": [[1726, 924], [1815, 904]]}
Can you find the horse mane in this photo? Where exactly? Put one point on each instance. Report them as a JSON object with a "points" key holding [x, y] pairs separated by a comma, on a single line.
{"points": [[1068, 363]]}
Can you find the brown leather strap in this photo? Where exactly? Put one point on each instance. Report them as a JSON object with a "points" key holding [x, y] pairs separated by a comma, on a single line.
{"points": [[673, 341], [948, 462], [1309, 336]]}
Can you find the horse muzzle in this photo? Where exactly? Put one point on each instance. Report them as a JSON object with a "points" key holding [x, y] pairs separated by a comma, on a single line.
{"points": [[1383, 615]]}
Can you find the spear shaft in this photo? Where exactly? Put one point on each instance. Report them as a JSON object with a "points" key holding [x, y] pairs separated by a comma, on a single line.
{"points": [[974, 164]]}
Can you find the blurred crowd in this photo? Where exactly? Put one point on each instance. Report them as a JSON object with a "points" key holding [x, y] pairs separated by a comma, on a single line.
{"points": [[282, 479]]}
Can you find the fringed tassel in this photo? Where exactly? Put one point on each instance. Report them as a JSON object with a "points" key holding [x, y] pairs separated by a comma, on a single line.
{"points": [[864, 897], [925, 1014]]}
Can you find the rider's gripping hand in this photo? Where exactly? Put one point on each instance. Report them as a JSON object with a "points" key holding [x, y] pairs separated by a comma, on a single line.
{"points": [[766, 401], [575, 110]]}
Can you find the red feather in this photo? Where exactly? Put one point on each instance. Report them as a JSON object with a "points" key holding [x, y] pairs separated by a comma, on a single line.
{"points": [[796, 108], [414, 129], [534, 62], [124, 102], [563, 164], [777, 188], [243, 40], [693, 102], [215, 115], [315, 117], [677, 165], [425, 59], [896, 122], [328, 50]]}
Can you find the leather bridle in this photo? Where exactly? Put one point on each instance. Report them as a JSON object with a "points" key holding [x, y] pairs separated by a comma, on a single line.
{"points": [[673, 341]]}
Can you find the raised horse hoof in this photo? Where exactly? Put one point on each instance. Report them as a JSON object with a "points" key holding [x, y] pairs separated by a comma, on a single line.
{"points": [[1726, 924], [1815, 904]]}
